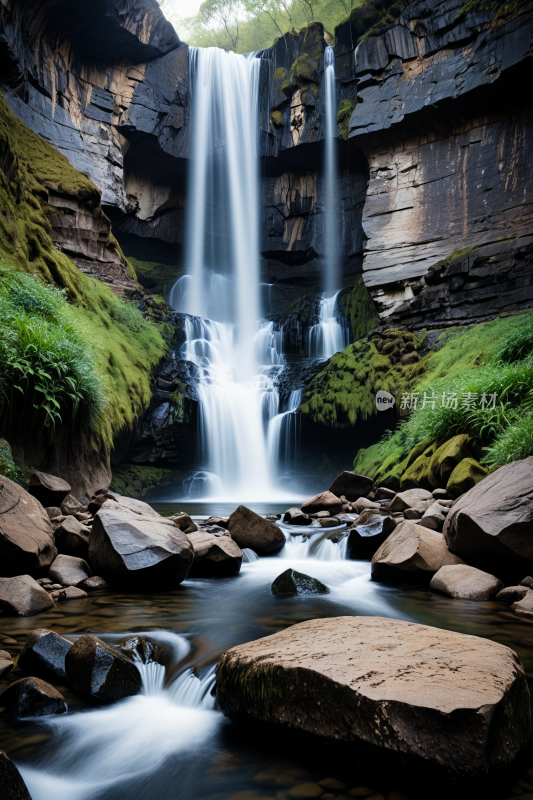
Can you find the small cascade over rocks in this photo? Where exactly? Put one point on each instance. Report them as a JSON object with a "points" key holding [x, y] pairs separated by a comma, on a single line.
{"points": [[331, 333]]}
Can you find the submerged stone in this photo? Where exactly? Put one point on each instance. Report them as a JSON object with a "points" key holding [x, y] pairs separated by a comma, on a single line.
{"points": [[292, 583]]}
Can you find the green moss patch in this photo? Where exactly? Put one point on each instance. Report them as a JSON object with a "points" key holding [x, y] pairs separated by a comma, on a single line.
{"points": [[344, 113], [358, 307], [143, 482]]}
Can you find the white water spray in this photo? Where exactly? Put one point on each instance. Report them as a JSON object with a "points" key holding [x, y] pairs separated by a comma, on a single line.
{"points": [[330, 335]]}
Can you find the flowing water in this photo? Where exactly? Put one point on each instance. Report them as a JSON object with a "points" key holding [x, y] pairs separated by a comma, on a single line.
{"points": [[330, 334], [171, 741]]}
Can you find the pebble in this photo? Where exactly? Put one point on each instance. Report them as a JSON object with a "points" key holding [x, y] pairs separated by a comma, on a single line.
{"points": [[306, 790]]}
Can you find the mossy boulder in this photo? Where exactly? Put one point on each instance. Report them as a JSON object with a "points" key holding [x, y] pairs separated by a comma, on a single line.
{"points": [[465, 476], [446, 459], [417, 472], [305, 70], [276, 118]]}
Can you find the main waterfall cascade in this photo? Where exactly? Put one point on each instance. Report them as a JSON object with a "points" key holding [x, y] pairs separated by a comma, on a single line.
{"points": [[246, 438]]}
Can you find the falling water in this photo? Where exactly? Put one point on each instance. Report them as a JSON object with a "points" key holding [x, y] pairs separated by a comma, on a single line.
{"points": [[331, 217], [284, 432], [237, 356], [331, 333]]}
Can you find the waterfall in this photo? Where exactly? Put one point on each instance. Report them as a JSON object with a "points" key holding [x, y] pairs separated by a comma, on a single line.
{"points": [[284, 432], [331, 217], [331, 333], [237, 355]]}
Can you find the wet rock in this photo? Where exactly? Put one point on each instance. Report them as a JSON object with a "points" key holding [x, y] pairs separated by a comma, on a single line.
{"points": [[512, 594], [351, 485], [320, 515], [527, 581], [409, 499], [524, 607], [184, 522], [95, 670], [329, 522], [383, 493], [142, 648], [94, 584], [72, 538], [70, 505], [131, 550], [44, 653], [467, 582], [362, 503], [6, 663], [22, 596], [326, 501], [47, 489], [26, 534], [32, 697], [214, 555], [295, 516], [390, 683], [69, 571], [411, 553], [368, 533], [224, 521], [433, 518], [291, 583], [250, 530], [13, 787], [491, 524], [70, 593]]}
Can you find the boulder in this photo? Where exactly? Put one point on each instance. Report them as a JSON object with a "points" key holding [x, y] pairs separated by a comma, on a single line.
{"points": [[214, 555], [527, 581], [44, 653], [329, 522], [72, 538], [95, 670], [383, 493], [69, 593], [291, 583], [440, 494], [250, 530], [70, 505], [47, 489], [96, 503], [360, 505], [26, 534], [417, 468], [6, 663], [411, 498], [326, 501], [491, 524], [512, 594], [53, 511], [222, 521], [411, 553], [524, 607], [142, 648], [23, 596], [465, 476], [93, 584], [32, 697], [131, 550], [351, 485], [434, 517], [69, 571], [459, 702], [295, 516], [446, 459], [368, 533], [184, 522], [130, 504], [13, 787], [460, 580]]}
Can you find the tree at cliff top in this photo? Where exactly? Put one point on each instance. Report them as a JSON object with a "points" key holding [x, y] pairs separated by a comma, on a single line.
{"points": [[102, 347]]}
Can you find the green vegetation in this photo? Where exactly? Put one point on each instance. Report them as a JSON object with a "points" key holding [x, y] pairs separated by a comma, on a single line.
{"points": [[457, 254], [480, 383], [344, 113], [359, 309], [276, 118], [156, 277], [124, 348], [500, 8], [138, 481], [10, 469]]}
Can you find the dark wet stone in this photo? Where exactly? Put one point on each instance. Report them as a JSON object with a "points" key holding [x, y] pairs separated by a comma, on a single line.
{"points": [[44, 653], [292, 583], [32, 697], [11, 783], [95, 670]]}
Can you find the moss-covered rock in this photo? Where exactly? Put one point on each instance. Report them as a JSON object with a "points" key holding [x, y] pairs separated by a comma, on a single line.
{"points": [[466, 474], [344, 113], [143, 482], [359, 309], [416, 473], [276, 118]]}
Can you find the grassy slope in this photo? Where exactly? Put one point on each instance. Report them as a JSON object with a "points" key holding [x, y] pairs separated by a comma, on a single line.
{"points": [[30, 167]]}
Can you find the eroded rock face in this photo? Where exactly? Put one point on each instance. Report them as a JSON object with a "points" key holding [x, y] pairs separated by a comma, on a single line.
{"points": [[389, 683], [44, 653], [411, 553], [251, 531], [138, 550], [492, 523], [13, 787], [23, 597], [32, 697], [95, 670], [26, 535]]}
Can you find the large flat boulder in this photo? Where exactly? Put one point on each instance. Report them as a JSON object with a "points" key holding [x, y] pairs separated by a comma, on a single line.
{"points": [[137, 551], [95, 670], [492, 524], [411, 553], [26, 534], [460, 702], [214, 555], [250, 530], [44, 653], [23, 597], [351, 485], [49, 490], [13, 787], [325, 501], [460, 580], [32, 697]]}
